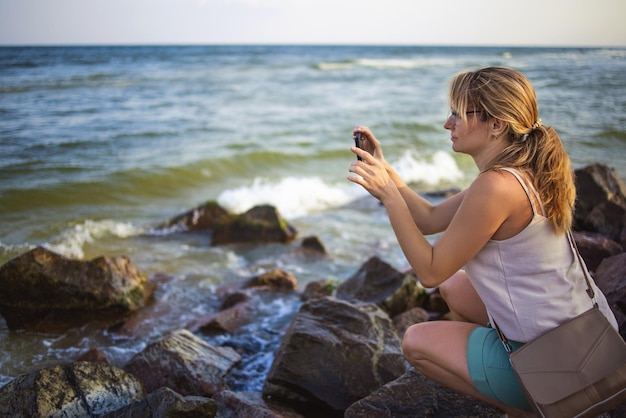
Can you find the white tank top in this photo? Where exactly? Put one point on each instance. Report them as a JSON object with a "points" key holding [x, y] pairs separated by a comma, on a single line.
{"points": [[533, 281]]}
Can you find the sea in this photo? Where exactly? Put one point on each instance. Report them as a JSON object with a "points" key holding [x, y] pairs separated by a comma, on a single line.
{"points": [[101, 144]]}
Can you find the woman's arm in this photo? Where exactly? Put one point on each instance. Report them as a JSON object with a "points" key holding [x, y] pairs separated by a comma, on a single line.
{"points": [[429, 218], [481, 210]]}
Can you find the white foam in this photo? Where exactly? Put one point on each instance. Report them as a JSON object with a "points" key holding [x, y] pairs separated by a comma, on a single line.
{"points": [[298, 196], [434, 170], [292, 196], [387, 63], [72, 242], [404, 63]]}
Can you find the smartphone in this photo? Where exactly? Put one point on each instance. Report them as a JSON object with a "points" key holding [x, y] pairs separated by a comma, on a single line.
{"points": [[357, 142]]}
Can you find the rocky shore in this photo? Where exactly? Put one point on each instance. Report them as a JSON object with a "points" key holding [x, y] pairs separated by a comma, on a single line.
{"points": [[340, 356]]}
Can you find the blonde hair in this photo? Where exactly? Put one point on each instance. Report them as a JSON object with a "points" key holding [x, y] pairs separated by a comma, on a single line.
{"points": [[533, 148]]}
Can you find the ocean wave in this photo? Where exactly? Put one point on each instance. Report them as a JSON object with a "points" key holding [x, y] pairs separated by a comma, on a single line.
{"points": [[387, 63], [440, 167], [299, 196], [68, 83], [72, 242], [292, 196]]}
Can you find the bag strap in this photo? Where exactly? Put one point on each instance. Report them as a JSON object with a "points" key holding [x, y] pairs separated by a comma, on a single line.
{"points": [[590, 291]]}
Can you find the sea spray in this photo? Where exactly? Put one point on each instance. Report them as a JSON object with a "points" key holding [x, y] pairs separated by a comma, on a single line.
{"points": [[72, 241]]}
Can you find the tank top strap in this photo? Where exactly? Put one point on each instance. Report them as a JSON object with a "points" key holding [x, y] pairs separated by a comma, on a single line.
{"points": [[526, 185]]}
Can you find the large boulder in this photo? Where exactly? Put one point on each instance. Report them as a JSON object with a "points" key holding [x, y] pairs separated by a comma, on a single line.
{"points": [[201, 218], [414, 395], [251, 405], [595, 247], [611, 279], [44, 290], [261, 224], [333, 354], [165, 403], [184, 363], [378, 282], [601, 201], [80, 389]]}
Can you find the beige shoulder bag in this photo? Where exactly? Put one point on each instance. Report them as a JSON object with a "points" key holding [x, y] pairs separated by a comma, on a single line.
{"points": [[575, 370]]}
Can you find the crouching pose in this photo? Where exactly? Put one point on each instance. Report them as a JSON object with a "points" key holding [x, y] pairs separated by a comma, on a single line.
{"points": [[504, 254]]}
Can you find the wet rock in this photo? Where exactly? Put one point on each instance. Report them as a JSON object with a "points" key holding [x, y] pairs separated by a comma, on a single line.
{"points": [[184, 363], [595, 247], [94, 355], [261, 224], [610, 277], [319, 289], [165, 403], [234, 298], [44, 290], [251, 405], [377, 282], [201, 218], [414, 395], [227, 320], [277, 280], [240, 305], [601, 199], [313, 244], [333, 354], [80, 389]]}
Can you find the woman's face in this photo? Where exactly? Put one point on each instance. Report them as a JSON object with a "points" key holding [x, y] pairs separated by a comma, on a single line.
{"points": [[470, 136]]}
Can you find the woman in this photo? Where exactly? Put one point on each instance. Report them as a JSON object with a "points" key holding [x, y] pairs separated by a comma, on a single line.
{"points": [[504, 255]]}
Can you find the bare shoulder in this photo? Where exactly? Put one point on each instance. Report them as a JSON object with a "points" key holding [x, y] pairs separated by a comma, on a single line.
{"points": [[495, 183]]}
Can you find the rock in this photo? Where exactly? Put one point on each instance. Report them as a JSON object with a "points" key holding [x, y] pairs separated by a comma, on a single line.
{"points": [[607, 218], [610, 277], [436, 304], [404, 320], [377, 282], [184, 363], [200, 218], [43, 290], [596, 186], [80, 389], [251, 405], [595, 247], [319, 289], [333, 354], [277, 280], [227, 320], [238, 307], [261, 224], [234, 298], [94, 355], [414, 395], [313, 244], [165, 403]]}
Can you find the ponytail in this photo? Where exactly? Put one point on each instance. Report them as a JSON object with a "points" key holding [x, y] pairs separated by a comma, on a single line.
{"points": [[533, 148]]}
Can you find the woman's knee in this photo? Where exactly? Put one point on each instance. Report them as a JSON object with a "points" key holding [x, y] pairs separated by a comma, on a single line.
{"points": [[414, 342]]}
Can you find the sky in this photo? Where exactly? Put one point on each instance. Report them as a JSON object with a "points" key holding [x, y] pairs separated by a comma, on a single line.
{"points": [[370, 22]]}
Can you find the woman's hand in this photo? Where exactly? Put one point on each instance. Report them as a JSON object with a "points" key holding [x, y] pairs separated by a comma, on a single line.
{"points": [[369, 142], [372, 170]]}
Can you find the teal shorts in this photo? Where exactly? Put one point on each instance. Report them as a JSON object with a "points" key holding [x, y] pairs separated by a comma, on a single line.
{"points": [[490, 368]]}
